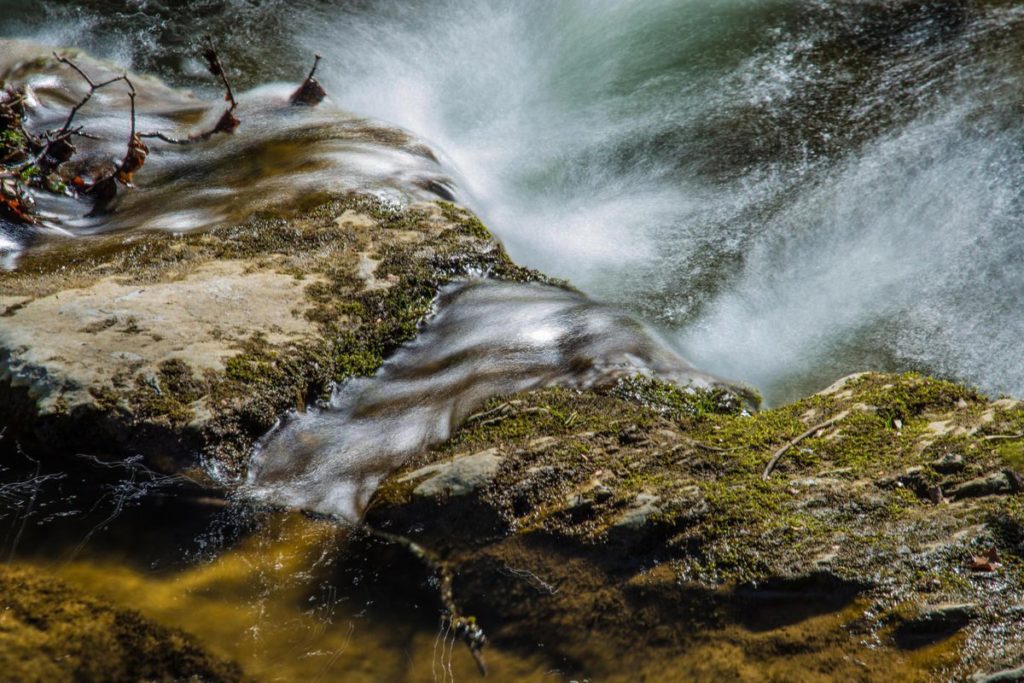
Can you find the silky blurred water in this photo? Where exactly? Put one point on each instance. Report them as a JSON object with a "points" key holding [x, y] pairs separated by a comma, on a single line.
{"points": [[486, 339]]}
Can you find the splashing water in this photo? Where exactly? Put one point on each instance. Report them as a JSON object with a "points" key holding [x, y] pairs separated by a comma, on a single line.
{"points": [[487, 339]]}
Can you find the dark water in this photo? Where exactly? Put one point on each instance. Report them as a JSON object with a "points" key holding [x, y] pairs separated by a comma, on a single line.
{"points": [[796, 189]]}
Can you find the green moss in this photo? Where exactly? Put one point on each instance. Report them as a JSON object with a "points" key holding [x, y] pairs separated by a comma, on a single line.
{"points": [[356, 328], [468, 223], [909, 395], [667, 398]]}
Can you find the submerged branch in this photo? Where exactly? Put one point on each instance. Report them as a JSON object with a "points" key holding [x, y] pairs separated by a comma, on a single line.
{"points": [[465, 627], [93, 87], [227, 123]]}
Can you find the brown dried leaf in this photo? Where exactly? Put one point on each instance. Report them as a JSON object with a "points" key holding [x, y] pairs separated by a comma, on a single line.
{"points": [[227, 124], [989, 562], [15, 202], [133, 160]]}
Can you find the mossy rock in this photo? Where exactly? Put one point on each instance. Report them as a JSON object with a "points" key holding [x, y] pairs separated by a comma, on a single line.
{"points": [[176, 346], [646, 481]]}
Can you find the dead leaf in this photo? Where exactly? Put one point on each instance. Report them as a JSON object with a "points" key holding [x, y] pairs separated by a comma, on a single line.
{"points": [[989, 562], [227, 124], [133, 160], [309, 94]]}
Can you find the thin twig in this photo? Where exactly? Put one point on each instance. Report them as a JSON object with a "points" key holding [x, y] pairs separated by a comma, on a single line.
{"points": [[131, 97], [227, 123], [782, 451], [535, 581], [217, 69], [500, 409], [316, 63], [93, 87], [166, 138], [1002, 437]]}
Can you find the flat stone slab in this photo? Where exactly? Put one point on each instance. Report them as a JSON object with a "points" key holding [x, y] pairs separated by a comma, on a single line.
{"points": [[458, 477], [62, 345]]}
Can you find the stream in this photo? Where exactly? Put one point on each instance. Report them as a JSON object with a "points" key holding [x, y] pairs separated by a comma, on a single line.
{"points": [[779, 192]]}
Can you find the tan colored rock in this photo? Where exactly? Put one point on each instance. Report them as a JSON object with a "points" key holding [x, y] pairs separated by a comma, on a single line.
{"points": [[67, 343], [458, 477]]}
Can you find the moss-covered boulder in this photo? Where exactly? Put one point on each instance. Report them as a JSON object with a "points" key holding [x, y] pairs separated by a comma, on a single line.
{"points": [[644, 517]]}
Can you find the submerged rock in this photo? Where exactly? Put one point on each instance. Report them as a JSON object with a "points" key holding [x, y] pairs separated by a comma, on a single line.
{"points": [[48, 632]]}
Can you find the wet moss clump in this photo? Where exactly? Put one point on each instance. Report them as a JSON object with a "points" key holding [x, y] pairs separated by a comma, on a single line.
{"points": [[695, 402], [910, 395], [467, 222]]}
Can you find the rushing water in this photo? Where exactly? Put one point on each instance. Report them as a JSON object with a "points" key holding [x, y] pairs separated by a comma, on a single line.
{"points": [[487, 339], [797, 189], [225, 178], [790, 189]]}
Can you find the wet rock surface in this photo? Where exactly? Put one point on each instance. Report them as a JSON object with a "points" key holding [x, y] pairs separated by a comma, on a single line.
{"points": [[653, 488], [240, 277], [616, 527], [172, 346]]}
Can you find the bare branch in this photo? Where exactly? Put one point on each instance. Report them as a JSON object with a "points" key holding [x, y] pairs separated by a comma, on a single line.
{"points": [[93, 87], [217, 69], [227, 123], [465, 627], [166, 138], [782, 451]]}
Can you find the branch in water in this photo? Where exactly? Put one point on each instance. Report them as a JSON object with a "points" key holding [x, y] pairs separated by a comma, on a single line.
{"points": [[465, 626], [137, 152], [105, 189], [58, 147], [227, 123]]}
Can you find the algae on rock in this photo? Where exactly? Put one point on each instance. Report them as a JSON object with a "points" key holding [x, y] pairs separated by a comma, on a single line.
{"points": [[174, 345]]}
